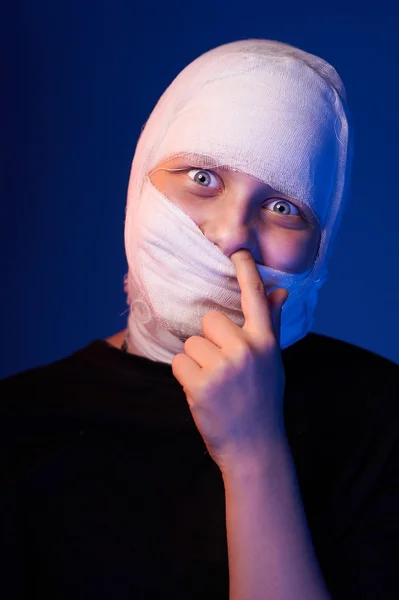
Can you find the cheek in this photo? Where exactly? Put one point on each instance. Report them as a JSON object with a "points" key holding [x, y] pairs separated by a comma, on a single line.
{"points": [[167, 185], [290, 250]]}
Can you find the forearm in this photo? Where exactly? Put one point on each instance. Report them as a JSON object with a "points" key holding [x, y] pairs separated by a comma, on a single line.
{"points": [[270, 551]]}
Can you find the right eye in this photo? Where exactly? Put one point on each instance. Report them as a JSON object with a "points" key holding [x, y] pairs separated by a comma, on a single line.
{"points": [[203, 177]]}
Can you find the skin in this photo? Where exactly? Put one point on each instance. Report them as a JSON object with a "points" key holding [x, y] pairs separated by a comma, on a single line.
{"points": [[235, 210]]}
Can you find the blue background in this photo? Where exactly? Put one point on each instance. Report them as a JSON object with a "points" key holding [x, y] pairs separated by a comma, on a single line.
{"points": [[79, 81]]}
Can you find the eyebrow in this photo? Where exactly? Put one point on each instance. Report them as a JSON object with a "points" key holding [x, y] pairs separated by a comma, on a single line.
{"points": [[205, 160]]}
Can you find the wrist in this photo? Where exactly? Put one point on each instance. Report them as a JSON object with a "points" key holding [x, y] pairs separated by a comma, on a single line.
{"points": [[260, 461]]}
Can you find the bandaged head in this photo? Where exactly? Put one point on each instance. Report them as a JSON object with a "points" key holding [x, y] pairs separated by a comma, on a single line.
{"points": [[266, 109]]}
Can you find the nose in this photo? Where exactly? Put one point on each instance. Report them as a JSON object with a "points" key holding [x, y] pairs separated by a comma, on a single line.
{"points": [[232, 232]]}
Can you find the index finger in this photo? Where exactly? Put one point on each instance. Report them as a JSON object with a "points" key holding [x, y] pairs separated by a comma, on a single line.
{"points": [[254, 301]]}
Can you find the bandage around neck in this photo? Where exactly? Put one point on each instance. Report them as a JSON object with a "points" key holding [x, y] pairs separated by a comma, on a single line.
{"points": [[261, 107]]}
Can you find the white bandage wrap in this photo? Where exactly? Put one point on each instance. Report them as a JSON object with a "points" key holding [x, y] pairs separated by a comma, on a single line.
{"points": [[261, 107]]}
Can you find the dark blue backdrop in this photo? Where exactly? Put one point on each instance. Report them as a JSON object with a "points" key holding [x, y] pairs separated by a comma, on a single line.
{"points": [[79, 81]]}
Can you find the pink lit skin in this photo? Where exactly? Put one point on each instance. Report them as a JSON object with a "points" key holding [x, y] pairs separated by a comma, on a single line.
{"points": [[235, 210]]}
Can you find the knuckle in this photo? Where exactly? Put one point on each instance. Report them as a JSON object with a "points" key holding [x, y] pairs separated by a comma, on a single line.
{"points": [[187, 344], [209, 316], [242, 350], [269, 345], [191, 342]]}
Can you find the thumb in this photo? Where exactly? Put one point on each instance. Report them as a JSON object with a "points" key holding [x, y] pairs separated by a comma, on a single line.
{"points": [[277, 300]]}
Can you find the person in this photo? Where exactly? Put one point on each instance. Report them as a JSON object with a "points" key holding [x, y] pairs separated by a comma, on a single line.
{"points": [[216, 447]]}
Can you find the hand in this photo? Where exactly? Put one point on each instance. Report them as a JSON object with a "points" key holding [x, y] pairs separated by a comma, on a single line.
{"points": [[234, 377]]}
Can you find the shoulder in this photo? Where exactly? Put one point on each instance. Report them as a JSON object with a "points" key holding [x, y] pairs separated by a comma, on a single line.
{"points": [[339, 376], [326, 350], [47, 377]]}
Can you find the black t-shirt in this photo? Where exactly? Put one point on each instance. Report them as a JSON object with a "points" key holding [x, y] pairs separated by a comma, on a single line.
{"points": [[107, 490]]}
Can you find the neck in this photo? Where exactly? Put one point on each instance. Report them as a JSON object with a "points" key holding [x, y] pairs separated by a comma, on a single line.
{"points": [[117, 339], [148, 339]]}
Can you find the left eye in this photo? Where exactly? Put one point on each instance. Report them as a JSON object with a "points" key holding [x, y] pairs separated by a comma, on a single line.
{"points": [[203, 177], [283, 207]]}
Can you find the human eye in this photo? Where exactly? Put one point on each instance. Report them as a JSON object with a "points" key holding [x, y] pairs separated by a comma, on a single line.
{"points": [[283, 207], [204, 177]]}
